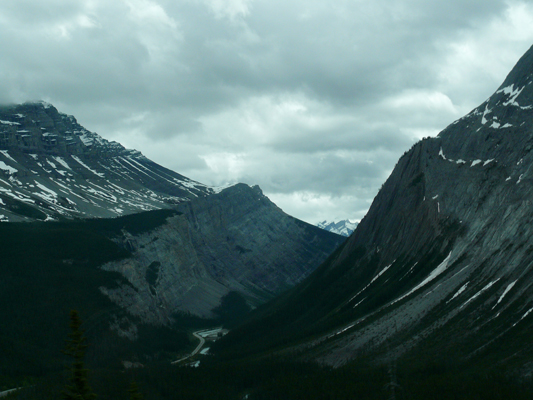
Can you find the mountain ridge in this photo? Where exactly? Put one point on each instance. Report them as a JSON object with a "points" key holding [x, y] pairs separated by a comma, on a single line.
{"points": [[441, 263], [143, 253], [51, 167], [236, 240]]}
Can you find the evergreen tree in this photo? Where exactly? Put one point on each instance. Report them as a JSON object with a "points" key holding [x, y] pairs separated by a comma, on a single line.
{"points": [[78, 387], [134, 391]]}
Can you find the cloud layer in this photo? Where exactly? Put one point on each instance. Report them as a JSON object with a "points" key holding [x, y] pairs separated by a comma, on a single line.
{"points": [[313, 101]]}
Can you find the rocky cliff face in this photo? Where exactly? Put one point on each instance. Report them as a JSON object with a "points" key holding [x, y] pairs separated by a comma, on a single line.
{"points": [[52, 167], [443, 261], [451, 227], [236, 240]]}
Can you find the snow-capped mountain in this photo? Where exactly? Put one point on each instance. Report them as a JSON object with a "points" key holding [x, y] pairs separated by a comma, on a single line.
{"points": [[344, 227], [441, 267], [51, 167]]}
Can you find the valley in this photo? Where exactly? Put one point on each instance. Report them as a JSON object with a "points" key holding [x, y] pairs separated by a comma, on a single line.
{"points": [[430, 297]]}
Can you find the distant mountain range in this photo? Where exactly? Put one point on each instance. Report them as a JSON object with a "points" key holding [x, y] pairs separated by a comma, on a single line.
{"points": [[344, 227]]}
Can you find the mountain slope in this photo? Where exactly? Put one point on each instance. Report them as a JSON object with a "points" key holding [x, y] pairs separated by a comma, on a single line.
{"points": [[52, 167], [442, 262], [140, 281], [236, 240], [51, 268]]}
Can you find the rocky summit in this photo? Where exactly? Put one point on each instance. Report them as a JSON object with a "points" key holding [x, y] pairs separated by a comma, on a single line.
{"points": [[236, 240], [52, 167], [442, 264]]}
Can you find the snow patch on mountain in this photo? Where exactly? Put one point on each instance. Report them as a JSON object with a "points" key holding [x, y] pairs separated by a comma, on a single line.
{"points": [[344, 227]]}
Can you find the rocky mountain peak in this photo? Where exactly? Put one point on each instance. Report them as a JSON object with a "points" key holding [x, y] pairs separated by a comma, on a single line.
{"points": [[497, 129], [39, 128], [443, 261], [52, 167], [522, 74]]}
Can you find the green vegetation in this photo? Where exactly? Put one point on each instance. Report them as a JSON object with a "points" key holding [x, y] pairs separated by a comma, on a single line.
{"points": [[79, 388], [232, 309], [275, 378], [48, 269]]}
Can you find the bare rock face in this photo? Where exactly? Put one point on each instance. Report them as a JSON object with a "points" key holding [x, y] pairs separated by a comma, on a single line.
{"points": [[236, 240], [52, 167], [443, 260]]}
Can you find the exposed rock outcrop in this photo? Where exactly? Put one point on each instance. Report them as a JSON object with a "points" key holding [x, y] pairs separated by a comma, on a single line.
{"points": [[52, 167], [443, 261], [236, 240]]}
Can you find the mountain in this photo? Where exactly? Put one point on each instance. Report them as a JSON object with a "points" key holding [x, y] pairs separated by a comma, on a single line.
{"points": [[51, 167], [233, 241], [430, 297], [440, 270], [144, 254], [141, 281], [344, 227]]}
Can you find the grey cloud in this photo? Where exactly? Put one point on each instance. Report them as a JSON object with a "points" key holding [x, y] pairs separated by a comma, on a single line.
{"points": [[30, 12], [187, 83], [355, 138], [322, 173]]}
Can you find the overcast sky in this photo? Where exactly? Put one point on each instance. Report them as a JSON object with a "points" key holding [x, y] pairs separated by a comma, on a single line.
{"points": [[313, 100]]}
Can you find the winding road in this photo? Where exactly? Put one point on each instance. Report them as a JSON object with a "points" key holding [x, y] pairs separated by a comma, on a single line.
{"points": [[200, 335]]}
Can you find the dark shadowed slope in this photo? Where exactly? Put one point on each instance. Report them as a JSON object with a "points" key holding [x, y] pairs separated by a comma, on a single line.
{"points": [[442, 261]]}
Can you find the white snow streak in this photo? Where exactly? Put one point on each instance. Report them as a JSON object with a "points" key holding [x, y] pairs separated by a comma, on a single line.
{"points": [[10, 170], [87, 167], [372, 281], [513, 93], [507, 289], [487, 287], [463, 288], [5, 153], [62, 162], [9, 122], [436, 272], [487, 111], [523, 316]]}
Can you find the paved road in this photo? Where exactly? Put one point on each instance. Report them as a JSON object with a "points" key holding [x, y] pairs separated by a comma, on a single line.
{"points": [[200, 335], [200, 345]]}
